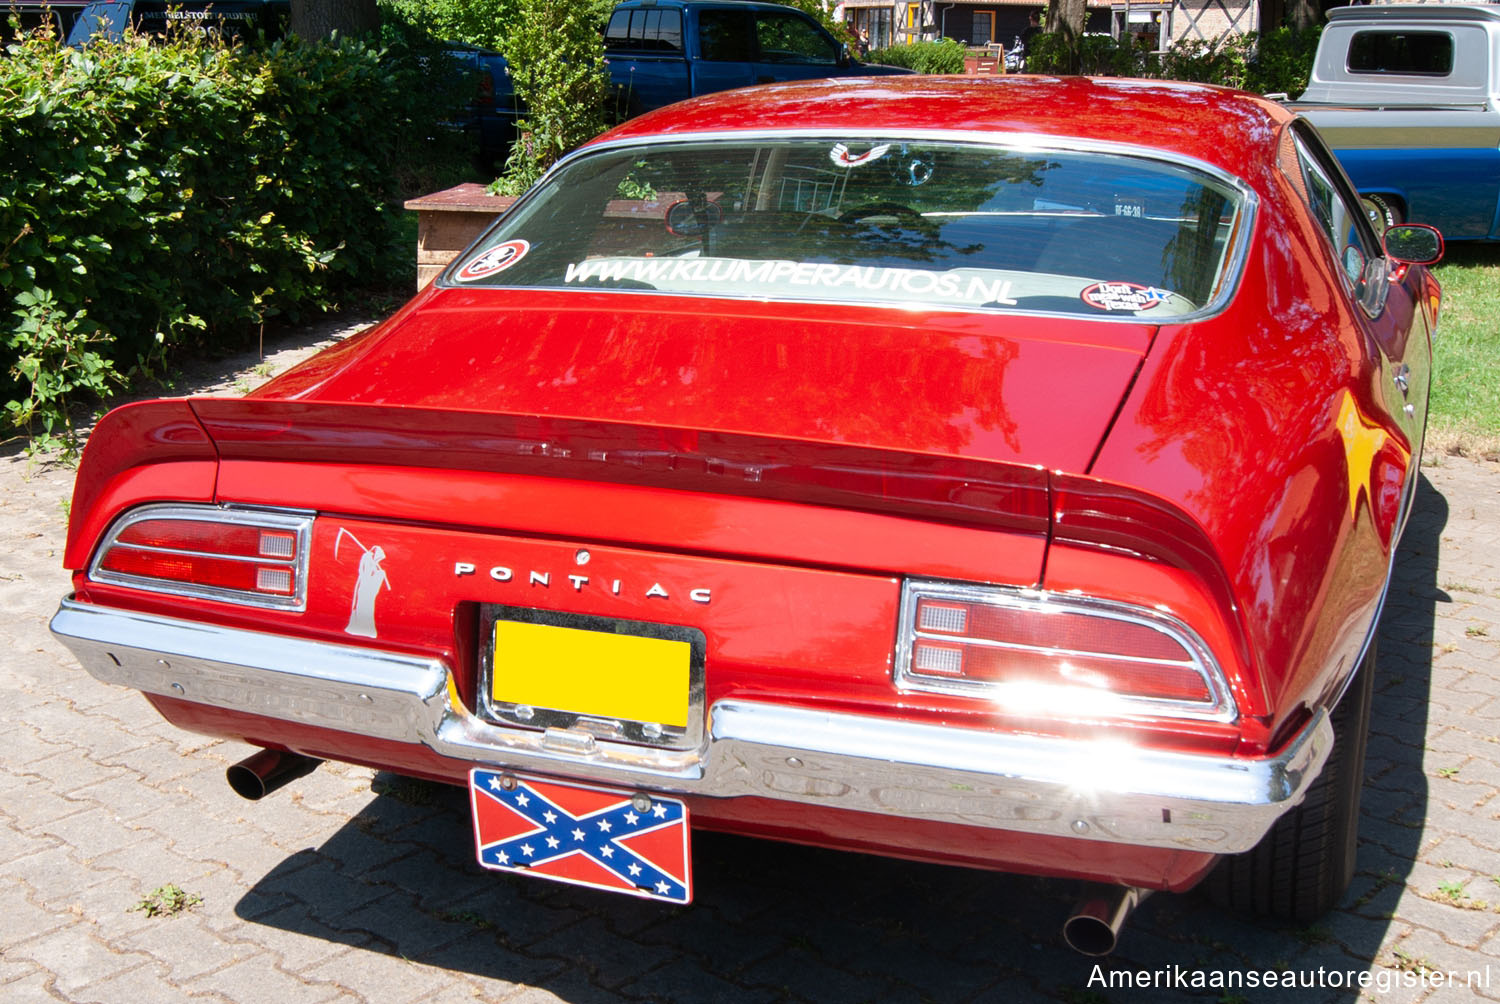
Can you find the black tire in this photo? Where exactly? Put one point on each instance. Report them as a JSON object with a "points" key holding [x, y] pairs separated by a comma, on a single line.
{"points": [[1384, 211], [1303, 865]]}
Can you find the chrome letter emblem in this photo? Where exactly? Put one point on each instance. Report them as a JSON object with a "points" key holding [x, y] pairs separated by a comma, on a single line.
{"points": [[539, 578]]}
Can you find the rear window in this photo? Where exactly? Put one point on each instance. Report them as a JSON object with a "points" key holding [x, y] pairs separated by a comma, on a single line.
{"points": [[1409, 53], [950, 225]]}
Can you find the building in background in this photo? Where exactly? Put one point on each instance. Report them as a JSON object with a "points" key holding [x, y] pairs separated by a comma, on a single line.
{"points": [[978, 23]]}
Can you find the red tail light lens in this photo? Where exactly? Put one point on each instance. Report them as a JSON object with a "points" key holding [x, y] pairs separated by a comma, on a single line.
{"points": [[1042, 653], [256, 558]]}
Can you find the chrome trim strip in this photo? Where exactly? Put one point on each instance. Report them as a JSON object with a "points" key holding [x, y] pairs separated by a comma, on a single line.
{"points": [[1096, 790]]}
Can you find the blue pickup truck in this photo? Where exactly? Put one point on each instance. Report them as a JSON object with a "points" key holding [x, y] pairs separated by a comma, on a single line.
{"points": [[661, 51]]}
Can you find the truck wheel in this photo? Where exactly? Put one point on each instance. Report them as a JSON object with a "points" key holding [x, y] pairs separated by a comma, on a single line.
{"points": [[1383, 211], [1303, 865]]}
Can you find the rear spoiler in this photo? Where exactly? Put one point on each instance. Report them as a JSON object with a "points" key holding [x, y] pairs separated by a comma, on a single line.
{"points": [[956, 490], [962, 491]]}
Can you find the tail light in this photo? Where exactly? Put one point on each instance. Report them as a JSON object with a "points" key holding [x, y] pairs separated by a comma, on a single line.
{"points": [[1039, 653], [238, 556]]}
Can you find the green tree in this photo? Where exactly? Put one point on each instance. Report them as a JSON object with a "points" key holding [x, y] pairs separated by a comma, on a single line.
{"points": [[556, 57], [322, 19]]}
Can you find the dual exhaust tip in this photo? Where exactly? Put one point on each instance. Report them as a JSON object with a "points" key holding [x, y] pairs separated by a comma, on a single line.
{"points": [[1093, 928]]}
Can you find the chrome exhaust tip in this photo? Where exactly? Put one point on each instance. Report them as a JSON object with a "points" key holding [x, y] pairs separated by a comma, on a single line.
{"points": [[1093, 927], [261, 773]]}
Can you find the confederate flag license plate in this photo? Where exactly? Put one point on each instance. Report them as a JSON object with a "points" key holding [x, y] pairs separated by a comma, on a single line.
{"points": [[619, 841]]}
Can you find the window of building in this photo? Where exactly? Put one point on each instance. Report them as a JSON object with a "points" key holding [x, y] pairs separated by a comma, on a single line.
{"points": [[983, 30]]}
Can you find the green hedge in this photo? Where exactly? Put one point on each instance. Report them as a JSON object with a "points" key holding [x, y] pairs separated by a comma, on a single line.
{"points": [[152, 194], [942, 56], [1278, 61]]}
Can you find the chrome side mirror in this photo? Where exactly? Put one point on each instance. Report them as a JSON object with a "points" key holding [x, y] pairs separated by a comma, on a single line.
{"points": [[1414, 244]]}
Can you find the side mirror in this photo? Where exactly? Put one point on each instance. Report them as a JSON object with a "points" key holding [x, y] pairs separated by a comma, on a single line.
{"points": [[1414, 244]]}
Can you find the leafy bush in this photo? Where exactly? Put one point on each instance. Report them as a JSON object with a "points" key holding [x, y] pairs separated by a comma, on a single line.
{"points": [[1282, 60], [1094, 55], [942, 56], [556, 57], [1279, 61], [1220, 62], [473, 22], [154, 194]]}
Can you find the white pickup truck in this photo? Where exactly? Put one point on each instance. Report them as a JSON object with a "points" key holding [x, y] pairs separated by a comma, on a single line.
{"points": [[1408, 97]]}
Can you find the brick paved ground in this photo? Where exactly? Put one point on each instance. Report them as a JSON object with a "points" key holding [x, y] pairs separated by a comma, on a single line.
{"points": [[357, 886]]}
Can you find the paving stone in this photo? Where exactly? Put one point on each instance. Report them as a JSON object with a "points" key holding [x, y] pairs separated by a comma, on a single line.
{"points": [[1463, 853], [571, 986], [1456, 925], [252, 981], [56, 876], [38, 803], [194, 949], [500, 972], [146, 984], [609, 960], [439, 883], [76, 958], [297, 940], [463, 992], [15, 970], [374, 975], [34, 988], [317, 893], [685, 980], [95, 832]]}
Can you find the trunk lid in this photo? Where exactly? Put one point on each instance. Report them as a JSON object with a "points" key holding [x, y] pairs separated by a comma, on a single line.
{"points": [[1023, 389]]}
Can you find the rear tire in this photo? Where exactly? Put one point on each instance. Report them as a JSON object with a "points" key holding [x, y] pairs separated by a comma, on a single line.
{"points": [[1304, 864]]}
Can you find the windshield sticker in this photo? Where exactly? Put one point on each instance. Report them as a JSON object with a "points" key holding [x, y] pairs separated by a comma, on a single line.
{"points": [[841, 156], [1123, 296], [496, 259], [961, 285]]}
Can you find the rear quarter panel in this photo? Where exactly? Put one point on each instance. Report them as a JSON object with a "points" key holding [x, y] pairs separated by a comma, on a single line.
{"points": [[1238, 420]]}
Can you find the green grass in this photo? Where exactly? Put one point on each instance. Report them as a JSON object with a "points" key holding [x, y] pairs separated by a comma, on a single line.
{"points": [[1466, 352]]}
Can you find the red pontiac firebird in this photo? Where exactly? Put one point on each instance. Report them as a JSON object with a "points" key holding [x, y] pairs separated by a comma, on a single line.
{"points": [[1002, 472]]}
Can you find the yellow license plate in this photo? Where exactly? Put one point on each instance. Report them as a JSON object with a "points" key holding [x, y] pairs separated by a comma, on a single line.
{"points": [[593, 673]]}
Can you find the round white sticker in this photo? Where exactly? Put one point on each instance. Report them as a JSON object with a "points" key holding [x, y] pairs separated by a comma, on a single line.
{"points": [[496, 259]]}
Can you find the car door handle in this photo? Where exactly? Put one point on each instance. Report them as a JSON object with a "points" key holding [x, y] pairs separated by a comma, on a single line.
{"points": [[1402, 377]]}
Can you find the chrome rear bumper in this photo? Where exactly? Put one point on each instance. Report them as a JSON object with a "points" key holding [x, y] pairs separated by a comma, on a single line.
{"points": [[1067, 788]]}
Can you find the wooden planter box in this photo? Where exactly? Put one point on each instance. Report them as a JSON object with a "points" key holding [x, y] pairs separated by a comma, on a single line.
{"points": [[448, 221]]}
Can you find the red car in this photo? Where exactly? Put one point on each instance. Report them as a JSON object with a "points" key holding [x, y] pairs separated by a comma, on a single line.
{"points": [[1002, 472]]}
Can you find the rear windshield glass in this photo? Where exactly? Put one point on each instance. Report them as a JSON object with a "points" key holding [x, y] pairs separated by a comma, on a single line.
{"points": [[945, 225], [1419, 53]]}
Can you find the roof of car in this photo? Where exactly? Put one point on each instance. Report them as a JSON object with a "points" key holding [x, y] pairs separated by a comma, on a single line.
{"points": [[1232, 130], [1421, 12]]}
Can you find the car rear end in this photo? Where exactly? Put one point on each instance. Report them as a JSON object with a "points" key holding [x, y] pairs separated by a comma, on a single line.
{"points": [[745, 499]]}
